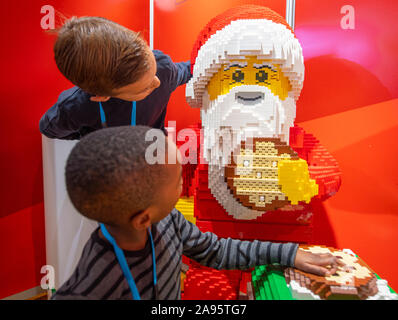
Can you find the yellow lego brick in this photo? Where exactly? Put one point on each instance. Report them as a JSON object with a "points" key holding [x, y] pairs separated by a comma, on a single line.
{"points": [[295, 181], [185, 206]]}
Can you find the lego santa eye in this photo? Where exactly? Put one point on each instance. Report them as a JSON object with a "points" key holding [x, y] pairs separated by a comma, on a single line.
{"points": [[261, 76], [238, 76]]}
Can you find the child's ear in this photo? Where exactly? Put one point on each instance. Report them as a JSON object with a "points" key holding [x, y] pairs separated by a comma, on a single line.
{"points": [[99, 98], [141, 220]]}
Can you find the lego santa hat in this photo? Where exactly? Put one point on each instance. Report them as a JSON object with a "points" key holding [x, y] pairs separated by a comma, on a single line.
{"points": [[238, 32]]}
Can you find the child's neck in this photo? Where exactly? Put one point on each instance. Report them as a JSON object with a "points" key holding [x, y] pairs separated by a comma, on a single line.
{"points": [[131, 240]]}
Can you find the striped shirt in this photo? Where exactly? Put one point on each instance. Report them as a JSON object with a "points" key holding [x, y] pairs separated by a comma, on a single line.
{"points": [[98, 274]]}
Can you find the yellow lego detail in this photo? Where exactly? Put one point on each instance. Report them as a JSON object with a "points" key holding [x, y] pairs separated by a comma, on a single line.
{"points": [[295, 181], [182, 279], [185, 206], [249, 71]]}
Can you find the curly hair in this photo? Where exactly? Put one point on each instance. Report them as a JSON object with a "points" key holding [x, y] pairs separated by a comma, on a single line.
{"points": [[108, 178]]}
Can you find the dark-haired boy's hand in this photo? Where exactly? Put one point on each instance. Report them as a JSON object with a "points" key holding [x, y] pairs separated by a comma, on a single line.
{"points": [[324, 264]]}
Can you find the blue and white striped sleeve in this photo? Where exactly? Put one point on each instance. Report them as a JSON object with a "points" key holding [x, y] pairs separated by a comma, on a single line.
{"points": [[219, 253]]}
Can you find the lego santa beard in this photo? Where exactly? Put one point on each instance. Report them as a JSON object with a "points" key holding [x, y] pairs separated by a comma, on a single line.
{"points": [[247, 75], [246, 134]]}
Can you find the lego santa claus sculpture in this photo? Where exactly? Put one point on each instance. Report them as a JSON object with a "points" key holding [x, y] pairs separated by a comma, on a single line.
{"points": [[257, 171]]}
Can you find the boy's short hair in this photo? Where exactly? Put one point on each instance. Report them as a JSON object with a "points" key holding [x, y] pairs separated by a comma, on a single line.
{"points": [[99, 55], [108, 178]]}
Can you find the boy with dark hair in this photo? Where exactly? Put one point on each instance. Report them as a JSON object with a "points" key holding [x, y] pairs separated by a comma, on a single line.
{"points": [[137, 250], [118, 79]]}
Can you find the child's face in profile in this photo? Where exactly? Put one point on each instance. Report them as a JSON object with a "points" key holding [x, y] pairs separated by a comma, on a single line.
{"points": [[140, 89], [171, 192]]}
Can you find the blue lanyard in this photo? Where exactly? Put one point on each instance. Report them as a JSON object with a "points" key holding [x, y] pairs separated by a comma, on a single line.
{"points": [[123, 263], [133, 114]]}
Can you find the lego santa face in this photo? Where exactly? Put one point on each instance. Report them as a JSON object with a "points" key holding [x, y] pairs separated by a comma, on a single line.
{"points": [[248, 72]]}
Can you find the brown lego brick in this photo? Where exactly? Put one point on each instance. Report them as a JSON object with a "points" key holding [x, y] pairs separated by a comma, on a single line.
{"points": [[354, 281], [268, 150]]}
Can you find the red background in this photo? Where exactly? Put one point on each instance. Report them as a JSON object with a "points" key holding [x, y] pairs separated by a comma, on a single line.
{"points": [[347, 103]]}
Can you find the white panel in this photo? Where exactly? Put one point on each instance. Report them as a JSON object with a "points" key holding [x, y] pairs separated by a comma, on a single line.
{"points": [[66, 230]]}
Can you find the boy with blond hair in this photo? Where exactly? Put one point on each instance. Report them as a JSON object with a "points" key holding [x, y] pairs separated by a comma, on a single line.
{"points": [[118, 79]]}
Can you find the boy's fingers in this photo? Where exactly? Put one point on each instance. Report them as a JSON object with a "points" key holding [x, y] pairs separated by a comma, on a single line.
{"points": [[328, 260], [340, 262], [316, 269], [324, 259], [332, 271]]}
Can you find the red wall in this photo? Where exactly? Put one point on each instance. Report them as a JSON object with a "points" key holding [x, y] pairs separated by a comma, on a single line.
{"points": [[346, 69], [30, 84], [347, 102]]}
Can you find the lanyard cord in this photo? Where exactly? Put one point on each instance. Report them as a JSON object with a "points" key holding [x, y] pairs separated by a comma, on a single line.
{"points": [[119, 252], [133, 114], [123, 263]]}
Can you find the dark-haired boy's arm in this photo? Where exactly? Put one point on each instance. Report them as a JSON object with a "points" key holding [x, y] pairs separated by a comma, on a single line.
{"points": [[219, 253]]}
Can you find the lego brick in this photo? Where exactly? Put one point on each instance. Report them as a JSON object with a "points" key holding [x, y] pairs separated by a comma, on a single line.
{"points": [[186, 206], [277, 282], [210, 284], [354, 281], [250, 291], [269, 283], [245, 286], [277, 279]]}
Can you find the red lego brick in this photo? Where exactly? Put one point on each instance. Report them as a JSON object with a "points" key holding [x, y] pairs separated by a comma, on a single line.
{"points": [[224, 19], [210, 284], [206, 207], [246, 279]]}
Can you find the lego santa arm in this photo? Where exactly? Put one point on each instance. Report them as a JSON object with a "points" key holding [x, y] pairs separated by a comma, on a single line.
{"points": [[321, 164]]}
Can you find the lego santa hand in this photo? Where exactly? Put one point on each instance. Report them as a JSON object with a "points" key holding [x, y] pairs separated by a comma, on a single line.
{"points": [[294, 180], [324, 264]]}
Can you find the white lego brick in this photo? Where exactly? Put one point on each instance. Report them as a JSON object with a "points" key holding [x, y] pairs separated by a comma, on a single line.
{"points": [[301, 293], [258, 36]]}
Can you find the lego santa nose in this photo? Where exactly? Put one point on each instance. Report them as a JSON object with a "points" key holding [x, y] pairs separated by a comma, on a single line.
{"points": [[249, 98]]}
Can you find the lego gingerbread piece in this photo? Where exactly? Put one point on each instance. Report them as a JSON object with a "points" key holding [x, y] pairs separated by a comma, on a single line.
{"points": [[260, 175], [353, 281]]}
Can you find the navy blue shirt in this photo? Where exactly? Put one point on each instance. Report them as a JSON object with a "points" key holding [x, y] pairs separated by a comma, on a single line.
{"points": [[75, 115]]}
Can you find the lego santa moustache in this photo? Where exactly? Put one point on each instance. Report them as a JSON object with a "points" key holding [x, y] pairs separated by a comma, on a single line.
{"points": [[248, 71]]}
